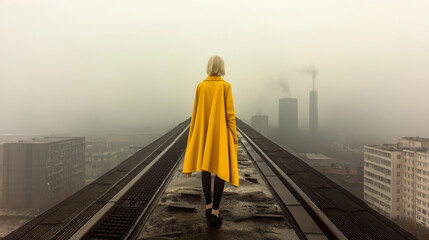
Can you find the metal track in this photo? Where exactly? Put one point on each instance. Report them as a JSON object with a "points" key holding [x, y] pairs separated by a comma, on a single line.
{"points": [[120, 216], [291, 196]]}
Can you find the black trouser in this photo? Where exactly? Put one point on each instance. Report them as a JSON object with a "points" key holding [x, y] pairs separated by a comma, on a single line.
{"points": [[218, 188]]}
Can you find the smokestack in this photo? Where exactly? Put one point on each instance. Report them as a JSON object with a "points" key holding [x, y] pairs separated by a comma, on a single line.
{"points": [[314, 112], [312, 70], [314, 77]]}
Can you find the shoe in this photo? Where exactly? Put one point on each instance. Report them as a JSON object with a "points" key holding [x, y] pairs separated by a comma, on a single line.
{"points": [[215, 221], [208, 213]]}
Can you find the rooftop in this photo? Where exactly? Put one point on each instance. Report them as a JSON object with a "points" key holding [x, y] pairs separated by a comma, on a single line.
{"points": [[398, 148], [387, 147], [250, 211], [417, 138], [419, 150]]}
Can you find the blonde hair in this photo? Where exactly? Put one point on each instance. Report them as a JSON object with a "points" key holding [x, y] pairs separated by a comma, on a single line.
{"points": [[215, 66]]}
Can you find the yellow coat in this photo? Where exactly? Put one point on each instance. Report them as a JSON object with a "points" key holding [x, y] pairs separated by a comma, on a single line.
{"points": [[212, 141]]}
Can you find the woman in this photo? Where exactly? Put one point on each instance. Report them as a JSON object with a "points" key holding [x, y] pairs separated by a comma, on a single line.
{"points": [[212, 141]]}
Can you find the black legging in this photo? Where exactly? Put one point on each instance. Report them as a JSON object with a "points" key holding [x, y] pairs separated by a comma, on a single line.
{"points": [[218, 188]]}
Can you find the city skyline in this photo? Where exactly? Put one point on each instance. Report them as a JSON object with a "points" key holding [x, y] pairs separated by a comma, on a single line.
{"points": [[114, 60]]}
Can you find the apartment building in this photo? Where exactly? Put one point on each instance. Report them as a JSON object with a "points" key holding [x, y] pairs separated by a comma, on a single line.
{"points": [[42, 171], [416, 185], [396, 179], [382, 179]]}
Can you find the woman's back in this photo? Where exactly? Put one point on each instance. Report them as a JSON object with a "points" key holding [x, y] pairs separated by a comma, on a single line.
{"points": [[212, 141], [214, 91]]}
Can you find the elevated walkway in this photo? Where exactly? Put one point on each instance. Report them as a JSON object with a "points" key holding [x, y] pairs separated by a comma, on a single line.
{"points": [[248, 212]]}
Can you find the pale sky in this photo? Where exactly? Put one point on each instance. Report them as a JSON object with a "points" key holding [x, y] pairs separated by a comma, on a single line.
{"points": [[73, 65]]}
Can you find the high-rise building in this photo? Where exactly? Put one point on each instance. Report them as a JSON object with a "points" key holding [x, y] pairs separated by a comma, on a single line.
{"points": [[396, 179], [415, 182], [260, 123], [314, 112], [1, 153], [288, 119], [42, 171], [382, 180]]}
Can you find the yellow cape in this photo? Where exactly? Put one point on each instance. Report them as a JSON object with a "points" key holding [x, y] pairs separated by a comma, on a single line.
{"points": [[212, 141]]}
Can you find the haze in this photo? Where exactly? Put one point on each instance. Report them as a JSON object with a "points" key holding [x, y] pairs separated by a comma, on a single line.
{"points": [[73, 66]]}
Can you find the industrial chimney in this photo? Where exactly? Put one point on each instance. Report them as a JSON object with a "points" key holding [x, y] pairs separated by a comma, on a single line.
{"points": [[314, 112]]}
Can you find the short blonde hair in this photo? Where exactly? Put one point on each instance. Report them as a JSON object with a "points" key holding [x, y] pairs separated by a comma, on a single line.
{"points": [[215, 66]]}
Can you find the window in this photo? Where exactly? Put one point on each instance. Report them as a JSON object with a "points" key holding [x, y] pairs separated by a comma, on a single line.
{"points": [[378, 160], [377, 152], [377, 184], [378, 168]]}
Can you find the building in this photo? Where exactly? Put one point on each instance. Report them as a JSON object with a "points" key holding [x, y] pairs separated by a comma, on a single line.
{"points": [[288, 119], [1, 153], [422, 187], [414, 142], [98, 163], [260, 124], [399, 172], [314, 112], [382, 179], [415, 182], [42, 171]]}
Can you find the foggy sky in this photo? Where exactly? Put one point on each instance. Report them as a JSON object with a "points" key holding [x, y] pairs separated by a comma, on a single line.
{"points": [[103, 65]]}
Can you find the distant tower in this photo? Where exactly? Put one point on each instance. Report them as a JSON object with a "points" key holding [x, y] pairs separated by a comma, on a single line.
{"points": [[288, 119], [260, 123], [314, 112]]}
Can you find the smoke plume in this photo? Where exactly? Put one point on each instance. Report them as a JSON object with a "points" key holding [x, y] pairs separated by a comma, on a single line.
{"points": [[284, 85], [310, 69]]}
